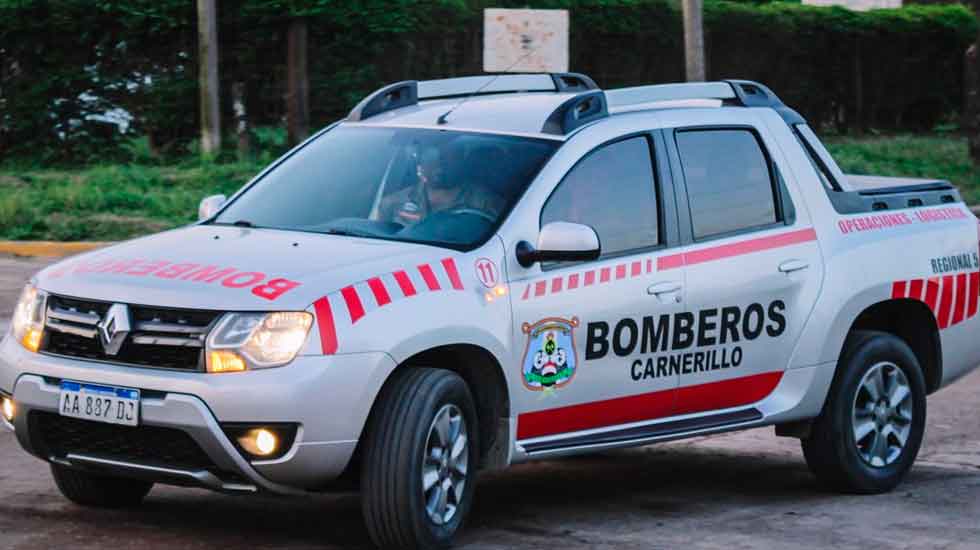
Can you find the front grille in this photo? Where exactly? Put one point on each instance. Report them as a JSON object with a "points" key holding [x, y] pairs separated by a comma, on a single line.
{"points": [[57, 436], [160, 337]]}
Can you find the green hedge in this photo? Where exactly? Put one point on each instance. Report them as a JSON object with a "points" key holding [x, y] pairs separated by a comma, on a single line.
{"points": [[887, 69]]}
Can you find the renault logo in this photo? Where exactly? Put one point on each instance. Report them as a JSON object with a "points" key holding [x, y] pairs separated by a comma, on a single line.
{"points": [[114, 328]]}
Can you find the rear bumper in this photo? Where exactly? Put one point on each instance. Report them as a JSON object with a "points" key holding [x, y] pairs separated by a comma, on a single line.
{"points": [[328, 397]]}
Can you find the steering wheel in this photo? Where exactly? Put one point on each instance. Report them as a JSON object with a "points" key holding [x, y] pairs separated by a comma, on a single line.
{"points": [[473, 212]]}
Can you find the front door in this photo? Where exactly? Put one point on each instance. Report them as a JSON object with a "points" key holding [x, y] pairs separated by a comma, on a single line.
{"points": [[587, 332]]}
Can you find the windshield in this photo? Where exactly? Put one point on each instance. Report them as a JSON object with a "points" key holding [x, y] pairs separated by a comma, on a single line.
{"points": [[436, 187]]}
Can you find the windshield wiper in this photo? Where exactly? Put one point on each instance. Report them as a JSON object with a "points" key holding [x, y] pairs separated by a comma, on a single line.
{"points": [[243, 223]]}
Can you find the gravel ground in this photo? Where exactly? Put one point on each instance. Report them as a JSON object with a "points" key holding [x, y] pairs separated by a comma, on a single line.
{"points": [[744, 490]]}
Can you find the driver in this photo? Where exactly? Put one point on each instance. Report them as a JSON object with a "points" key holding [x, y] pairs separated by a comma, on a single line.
{"points": [[439, 187]]}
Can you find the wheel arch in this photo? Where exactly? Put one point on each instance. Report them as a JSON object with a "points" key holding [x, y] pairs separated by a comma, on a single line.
{"points": [[913, 322]]}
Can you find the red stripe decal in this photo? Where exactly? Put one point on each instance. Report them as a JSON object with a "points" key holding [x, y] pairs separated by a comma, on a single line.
{"points": [[946, 302], [898, 289], [735, 249], [405, 283], [932, 292], [727, 393], [573, 281], [429, 277], [620, 271], [450, 266], [636, 269], [648, 406], [540, 287], [527, 292], [556, 285], [974, 290], [915, 289], [959, 310], [380, 292], [670, 262], [604, 275], [589, 278], [649, 265], [353, 303], [749, 246], [324, 322]]}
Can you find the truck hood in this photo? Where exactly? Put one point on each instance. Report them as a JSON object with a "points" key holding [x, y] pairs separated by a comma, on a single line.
{"points": [[230, 268]]}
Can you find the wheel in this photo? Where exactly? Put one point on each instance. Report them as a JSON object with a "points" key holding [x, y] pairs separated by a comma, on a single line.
{"points": [[420, 458], [98, 491], [871, 427]]}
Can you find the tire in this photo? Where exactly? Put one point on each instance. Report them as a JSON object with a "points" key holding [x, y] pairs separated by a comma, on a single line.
{"points": [[840, 449], [398, 440], [97, 491]]}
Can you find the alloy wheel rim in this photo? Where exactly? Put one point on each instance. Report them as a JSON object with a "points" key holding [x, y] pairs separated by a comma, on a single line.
{"points": [[882, 414], [445, 465]]}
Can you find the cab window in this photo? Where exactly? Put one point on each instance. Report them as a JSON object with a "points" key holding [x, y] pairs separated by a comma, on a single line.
{"points": [[730, 185], [613, 191]]}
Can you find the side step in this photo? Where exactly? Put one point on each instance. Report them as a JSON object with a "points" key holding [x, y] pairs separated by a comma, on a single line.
{"points": [[638, 433]]}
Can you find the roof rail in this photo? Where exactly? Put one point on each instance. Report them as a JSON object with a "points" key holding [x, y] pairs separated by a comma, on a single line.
{"points": [[410, 92], [577, 111], [743, 93]]}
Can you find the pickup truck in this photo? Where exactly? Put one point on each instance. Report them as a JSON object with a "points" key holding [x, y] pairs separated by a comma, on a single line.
{"points": [[470, 273]]}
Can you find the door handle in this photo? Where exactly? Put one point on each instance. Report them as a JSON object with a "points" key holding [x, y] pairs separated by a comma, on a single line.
{"points": [[659, 289], [790, 266]]}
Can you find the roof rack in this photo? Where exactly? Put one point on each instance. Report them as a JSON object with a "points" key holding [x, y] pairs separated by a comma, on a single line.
{"points": [[410, 92], [589, 105]]}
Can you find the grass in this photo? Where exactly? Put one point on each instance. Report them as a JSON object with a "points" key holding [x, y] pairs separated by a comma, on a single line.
{"points": [[121, 201], [943, 156]]}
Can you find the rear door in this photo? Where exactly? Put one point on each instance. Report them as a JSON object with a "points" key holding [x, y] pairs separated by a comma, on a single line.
{"points": [[586, 330], [754, 268]]}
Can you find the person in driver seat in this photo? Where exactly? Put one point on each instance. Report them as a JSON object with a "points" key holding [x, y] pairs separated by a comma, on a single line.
{"points": [[439, 188]]}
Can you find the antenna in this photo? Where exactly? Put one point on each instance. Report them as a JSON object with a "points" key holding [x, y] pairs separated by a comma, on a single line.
{"points": [[443, 118]]}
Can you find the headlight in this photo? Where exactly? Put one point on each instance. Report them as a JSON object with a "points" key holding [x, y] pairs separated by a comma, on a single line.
{"points": [[244, 341], [27, 326]]}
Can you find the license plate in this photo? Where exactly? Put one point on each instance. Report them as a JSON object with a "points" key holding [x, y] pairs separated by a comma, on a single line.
{"points": [[100, 403]]}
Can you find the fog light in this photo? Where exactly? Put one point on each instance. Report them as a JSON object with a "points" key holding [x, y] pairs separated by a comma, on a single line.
{"points": [[9, 410], [225, 361], [259, 442]]}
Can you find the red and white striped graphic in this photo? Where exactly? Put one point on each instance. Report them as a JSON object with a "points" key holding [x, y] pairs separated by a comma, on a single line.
{"points": [[952, 298], [352, 303], [636, 268]]}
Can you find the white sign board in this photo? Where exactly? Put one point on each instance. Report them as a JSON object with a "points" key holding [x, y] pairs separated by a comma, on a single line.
{"points": [[525, 41], [857, 5]]}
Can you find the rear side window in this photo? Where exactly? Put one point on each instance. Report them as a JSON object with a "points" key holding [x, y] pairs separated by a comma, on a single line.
{"points": [[729, 182], [611, 190]]}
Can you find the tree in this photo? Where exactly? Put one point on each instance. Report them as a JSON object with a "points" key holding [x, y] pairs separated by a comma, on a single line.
{"points": [[207, 32], [298, 85], [694, 40]]}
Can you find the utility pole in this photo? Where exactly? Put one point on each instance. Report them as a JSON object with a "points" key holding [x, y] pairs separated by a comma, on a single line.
{"points": [[694, 40], [207, 50], [298, 87]]}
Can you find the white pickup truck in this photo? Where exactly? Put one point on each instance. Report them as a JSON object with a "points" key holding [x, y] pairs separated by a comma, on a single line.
{"points": [[470, 273]]}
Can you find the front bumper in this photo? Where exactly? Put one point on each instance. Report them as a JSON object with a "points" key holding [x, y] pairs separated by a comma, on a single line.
{"points": [[328, 397]]}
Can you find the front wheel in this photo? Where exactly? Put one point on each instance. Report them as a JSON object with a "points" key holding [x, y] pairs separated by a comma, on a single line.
{"points": [[420, 459], [871, 427]]}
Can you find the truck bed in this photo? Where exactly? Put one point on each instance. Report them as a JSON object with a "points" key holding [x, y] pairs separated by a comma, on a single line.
{"points": [[877, 193]]}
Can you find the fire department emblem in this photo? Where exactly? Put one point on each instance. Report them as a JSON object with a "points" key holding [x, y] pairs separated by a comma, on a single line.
{"points": [[550, 359]]}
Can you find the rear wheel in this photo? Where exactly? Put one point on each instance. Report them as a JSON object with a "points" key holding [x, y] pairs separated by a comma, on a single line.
{"points": [[420, 457], [99, 491], [871, 427]]}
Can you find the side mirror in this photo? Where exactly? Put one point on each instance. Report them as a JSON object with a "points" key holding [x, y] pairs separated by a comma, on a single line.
{"points": [[560, 242], [210, 206]]}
